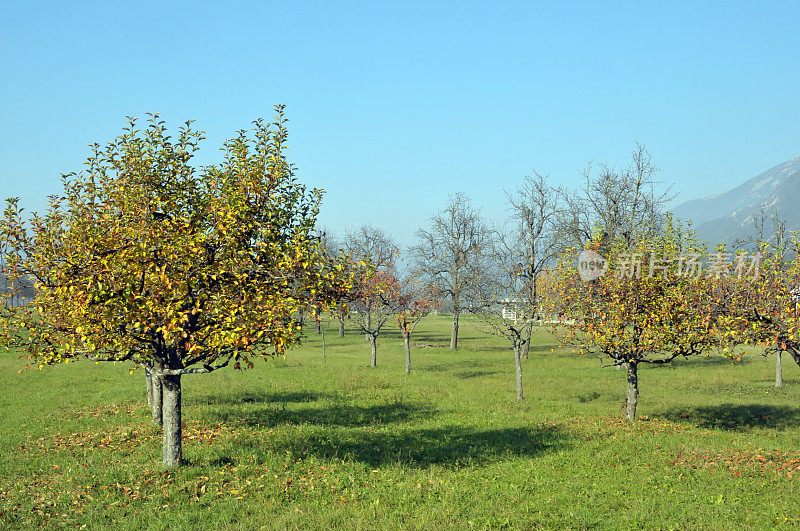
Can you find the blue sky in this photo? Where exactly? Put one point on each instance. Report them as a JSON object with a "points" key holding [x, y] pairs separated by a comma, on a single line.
{"points": [[394, 105]]}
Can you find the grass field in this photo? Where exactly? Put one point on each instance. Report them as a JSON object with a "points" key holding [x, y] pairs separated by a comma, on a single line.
{"points": [[299, 443]]}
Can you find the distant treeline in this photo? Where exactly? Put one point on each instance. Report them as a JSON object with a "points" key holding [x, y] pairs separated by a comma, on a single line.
{"points": [[21, 290]]}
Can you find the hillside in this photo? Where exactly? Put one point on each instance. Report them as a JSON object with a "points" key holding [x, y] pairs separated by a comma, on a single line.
{"points": [[731, 215]]}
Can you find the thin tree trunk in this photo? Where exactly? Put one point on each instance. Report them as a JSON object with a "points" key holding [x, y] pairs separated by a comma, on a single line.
{"points": [[526, 347], [407, 338], [368, 321], [172, 444], [319, 326], [325, 359], [341, 327], [518, 369], [454, 335], [148, 380], [373, 342], [794, 353], [157, 405], [633, 391], [778, 370]]}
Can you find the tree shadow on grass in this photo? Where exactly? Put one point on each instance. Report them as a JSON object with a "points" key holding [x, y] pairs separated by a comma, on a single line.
{"points": [[452, 446], [464, 334], [737, 417], [336, 415], [712, 360], [505, 347], [465, 375], [262, 397], [541, 349], [431, 338], [454, 366]]}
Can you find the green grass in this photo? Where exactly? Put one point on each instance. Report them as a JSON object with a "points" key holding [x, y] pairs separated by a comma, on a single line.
{"points": [[296, 443]]}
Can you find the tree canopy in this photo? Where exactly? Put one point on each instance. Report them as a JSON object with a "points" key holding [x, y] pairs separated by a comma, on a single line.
{"points": [[149, 259], [649, 307]]}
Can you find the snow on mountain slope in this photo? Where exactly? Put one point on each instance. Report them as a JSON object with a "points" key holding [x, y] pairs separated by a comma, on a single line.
{"points": [[729, 216]]}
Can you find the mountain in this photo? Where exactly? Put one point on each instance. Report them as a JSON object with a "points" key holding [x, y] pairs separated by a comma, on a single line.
{"points": [[731, 215]]}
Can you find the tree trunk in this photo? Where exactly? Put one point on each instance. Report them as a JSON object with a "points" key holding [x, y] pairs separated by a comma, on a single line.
{"points": [[148, 380], [526, 347], [368, 321], [171, 446], [407, 338], [319, 327], [633, 391], [794, 353], [373, 342], [323, 347], [778, 370], [157, 404], [341, 327], [518, 369], [454, 335]]}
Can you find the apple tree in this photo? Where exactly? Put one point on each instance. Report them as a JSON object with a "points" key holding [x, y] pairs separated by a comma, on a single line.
{"points": [[415, 300], [149, 259], [655, 303]]}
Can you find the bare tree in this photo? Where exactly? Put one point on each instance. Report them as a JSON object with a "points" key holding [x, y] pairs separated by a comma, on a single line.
{"points": [[331, 248], [452, 254], [328, 241], [15, 291], [529, 243], [523, 250], [414, 301], [368, 242], [618, 205], [769, 231], [373, 304]]}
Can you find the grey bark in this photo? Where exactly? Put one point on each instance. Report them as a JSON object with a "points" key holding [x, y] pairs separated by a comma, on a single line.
{"points": [[157, 404], [526, 347], [794, 353], [616, 202], [778, 370], [454, 253], [341, 327], [324, 358], [407, 339], [633, 391], [454, 335], [518, 369], [373, 343], [148, 379], [172, 443]]}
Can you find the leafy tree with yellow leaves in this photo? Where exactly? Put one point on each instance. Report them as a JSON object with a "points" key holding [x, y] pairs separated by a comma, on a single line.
{"points": [[653, 304], [151, 260], [763, 309]]}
